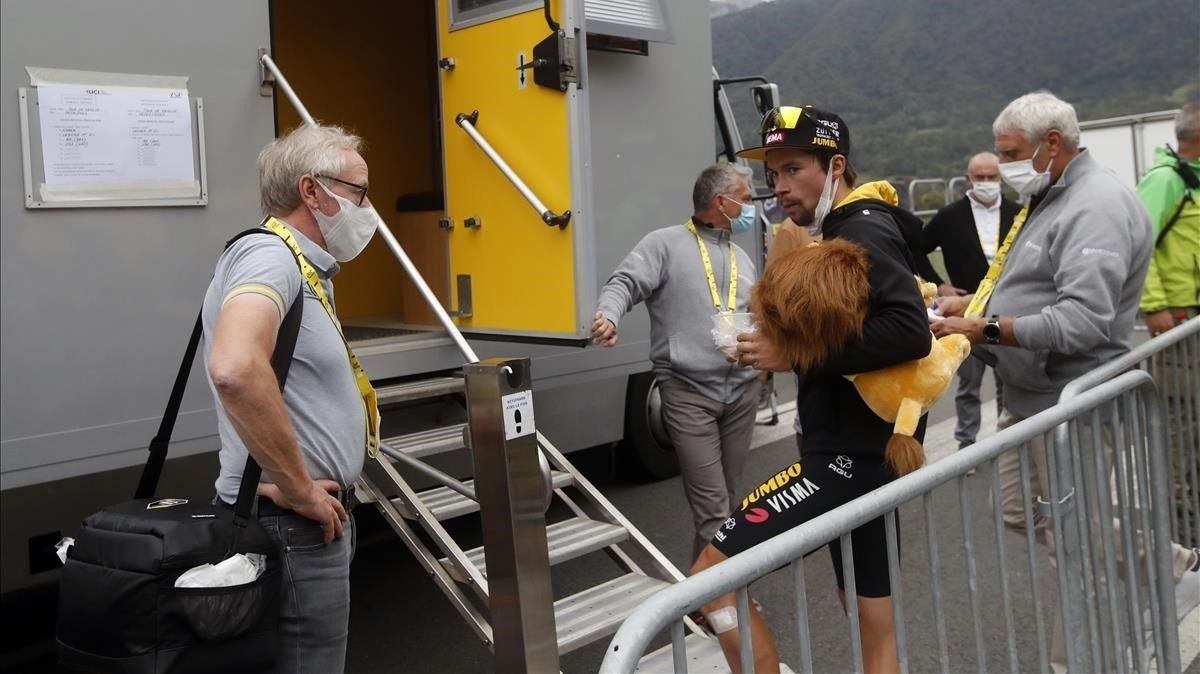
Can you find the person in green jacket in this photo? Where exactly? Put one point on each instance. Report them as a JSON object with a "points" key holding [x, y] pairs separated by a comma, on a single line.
{"points": [[1172, 295], [1172, 291]]}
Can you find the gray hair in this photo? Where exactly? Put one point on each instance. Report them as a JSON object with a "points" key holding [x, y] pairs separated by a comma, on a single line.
{"points": [[1035, 114], [717, 179], [1187, 122], [315, 150]]}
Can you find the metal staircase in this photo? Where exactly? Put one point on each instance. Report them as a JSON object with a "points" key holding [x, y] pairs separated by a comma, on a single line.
{"points": [[593, 526], [417, 516]]}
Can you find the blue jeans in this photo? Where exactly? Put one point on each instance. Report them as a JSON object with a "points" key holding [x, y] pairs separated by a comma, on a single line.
{"points": [[314, 614]]}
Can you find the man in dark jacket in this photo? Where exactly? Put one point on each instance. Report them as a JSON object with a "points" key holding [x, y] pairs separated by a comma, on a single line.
{"points": [[969, 231], [806, 154]]}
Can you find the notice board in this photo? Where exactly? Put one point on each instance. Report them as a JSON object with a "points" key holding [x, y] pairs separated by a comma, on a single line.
{"points": [[93, 139]]}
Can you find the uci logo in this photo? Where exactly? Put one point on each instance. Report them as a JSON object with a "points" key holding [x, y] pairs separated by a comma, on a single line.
{"points": [[774, 137]]}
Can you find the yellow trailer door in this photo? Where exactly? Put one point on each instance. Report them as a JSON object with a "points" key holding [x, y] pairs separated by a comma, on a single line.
{"points": [[515, 238]]}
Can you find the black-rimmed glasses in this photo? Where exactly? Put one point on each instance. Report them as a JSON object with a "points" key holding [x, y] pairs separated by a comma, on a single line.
{"points": [[362, 189]]}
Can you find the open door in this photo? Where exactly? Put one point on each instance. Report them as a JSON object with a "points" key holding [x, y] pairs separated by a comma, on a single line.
{"points": [[511, 271]]}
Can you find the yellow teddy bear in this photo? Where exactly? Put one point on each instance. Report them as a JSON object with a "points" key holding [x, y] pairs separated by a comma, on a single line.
{"points": [[814, 299]]}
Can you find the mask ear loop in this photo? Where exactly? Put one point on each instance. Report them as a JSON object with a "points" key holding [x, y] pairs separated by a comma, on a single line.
{"points": [[727, 216]]}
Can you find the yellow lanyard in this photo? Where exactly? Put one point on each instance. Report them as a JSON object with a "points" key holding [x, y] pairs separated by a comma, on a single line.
{"points": [[984, 292], [370, 401], [712, 279]]}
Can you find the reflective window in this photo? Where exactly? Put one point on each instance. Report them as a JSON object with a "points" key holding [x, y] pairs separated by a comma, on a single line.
{"points": [[471, 12]]}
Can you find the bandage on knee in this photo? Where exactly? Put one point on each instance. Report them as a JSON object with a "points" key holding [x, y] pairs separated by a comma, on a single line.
{"points": [[723, 619]]}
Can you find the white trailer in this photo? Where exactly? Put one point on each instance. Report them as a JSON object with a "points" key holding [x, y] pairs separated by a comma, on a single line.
{"points": [[1125, 145], [602, 108]]}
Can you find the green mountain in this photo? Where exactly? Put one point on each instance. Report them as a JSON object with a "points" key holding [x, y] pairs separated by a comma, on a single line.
{"points": [[920, 81]]}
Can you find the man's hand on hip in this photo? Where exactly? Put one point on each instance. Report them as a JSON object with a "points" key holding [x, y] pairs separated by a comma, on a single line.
{"points": [[604, 333], [316, 503]]}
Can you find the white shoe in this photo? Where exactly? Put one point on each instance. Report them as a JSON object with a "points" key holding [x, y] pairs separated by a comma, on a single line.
{"points": [[1187, 594], [1187, 589]]}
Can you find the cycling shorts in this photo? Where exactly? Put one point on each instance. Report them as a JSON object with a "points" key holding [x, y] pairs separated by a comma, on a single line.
{"points": [[812, 486]]}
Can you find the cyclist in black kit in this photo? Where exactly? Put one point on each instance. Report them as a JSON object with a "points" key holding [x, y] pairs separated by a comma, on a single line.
{"points": [[806, 154]]}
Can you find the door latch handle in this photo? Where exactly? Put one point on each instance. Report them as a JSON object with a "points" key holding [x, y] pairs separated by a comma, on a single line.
{"points": [[536, 63]]}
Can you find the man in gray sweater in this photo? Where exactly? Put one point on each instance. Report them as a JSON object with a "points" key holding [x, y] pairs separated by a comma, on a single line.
{"points": [[685, 274], [1062, 294]]}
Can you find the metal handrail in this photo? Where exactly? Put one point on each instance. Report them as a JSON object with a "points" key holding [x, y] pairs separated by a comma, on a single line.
{"points": [[1131, 359], [657, 612], [390, 239], [431, 472], [467, 123]]}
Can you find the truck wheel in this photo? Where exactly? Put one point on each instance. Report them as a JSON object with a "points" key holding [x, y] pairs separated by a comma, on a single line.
{"points": [[646, 452]]}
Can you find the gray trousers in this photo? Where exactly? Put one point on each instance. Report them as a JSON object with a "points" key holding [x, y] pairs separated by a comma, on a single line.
{"points": [[314, 614], [711, 440], [966, 400]]}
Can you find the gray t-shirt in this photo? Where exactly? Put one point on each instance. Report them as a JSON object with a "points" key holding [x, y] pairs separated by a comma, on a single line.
{"points": [[326, 410]]}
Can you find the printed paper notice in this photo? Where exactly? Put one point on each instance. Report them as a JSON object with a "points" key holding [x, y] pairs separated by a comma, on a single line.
{"points": [[518, 414], [115, 135]]}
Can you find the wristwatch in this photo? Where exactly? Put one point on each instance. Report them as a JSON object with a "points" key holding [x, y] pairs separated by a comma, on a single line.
{"points": [[991, 330]]}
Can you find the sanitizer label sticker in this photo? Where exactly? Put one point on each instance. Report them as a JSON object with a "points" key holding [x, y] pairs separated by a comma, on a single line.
{"points": [[518, 414]]}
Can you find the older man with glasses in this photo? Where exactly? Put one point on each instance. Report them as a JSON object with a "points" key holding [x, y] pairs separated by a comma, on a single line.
{"points": [[312, 438]]}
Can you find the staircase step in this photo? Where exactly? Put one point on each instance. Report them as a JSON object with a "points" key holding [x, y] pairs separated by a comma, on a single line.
{"points": [[428, 443], [704, 656], [445, 503], [597, 612], [566, 540], [419, 390]]}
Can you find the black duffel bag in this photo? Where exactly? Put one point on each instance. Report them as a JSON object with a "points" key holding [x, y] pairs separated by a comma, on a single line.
{"points": [[119, 609]]}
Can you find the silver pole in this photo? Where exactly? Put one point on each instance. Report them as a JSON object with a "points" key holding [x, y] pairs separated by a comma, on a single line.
{"points": [[388, 237], [547, 216], [512, 512], [430, 471]]}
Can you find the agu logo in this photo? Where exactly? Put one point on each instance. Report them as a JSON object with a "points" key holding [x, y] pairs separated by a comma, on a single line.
{"points": [[774, 137], [844, 466], [757, 515]]}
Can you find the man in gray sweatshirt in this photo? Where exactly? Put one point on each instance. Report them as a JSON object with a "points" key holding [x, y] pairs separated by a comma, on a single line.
{"points": [[1061, 296], [685, 274]]}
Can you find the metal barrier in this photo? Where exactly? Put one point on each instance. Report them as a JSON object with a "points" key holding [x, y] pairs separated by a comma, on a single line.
{"points": [[912, 196], [1173, 359], [1125, 411]]}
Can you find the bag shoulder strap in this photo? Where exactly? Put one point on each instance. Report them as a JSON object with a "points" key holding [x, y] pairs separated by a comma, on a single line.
{"points": [[281, 361], [1162, 233]]}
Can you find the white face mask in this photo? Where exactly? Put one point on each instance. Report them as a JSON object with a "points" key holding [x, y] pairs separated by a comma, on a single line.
{"points": [[986, 192], [348, 231], [1024, 178], [825, 203]]}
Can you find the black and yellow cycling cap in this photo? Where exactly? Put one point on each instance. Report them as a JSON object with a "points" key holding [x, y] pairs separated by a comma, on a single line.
{"points": [[805, 128]]}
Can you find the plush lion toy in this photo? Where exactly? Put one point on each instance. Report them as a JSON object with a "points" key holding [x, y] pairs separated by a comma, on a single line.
{"points": [[812, 300]]}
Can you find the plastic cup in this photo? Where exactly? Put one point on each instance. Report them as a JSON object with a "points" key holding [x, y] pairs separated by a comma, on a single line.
{"points": [[727, 327]]}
